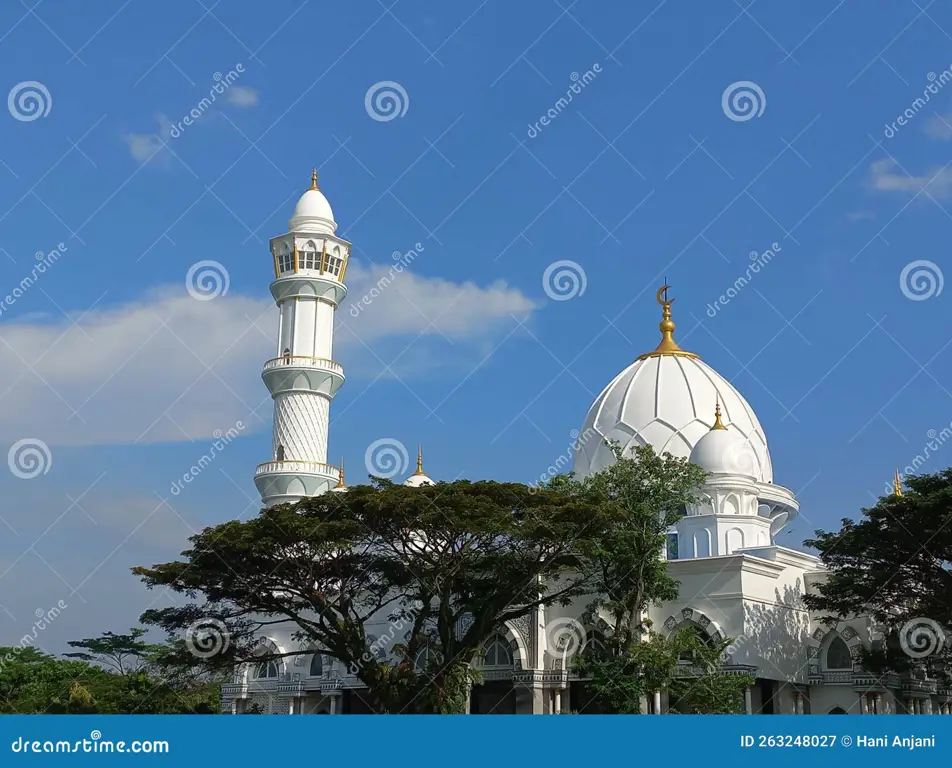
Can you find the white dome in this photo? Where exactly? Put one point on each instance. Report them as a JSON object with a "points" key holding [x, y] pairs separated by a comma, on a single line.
{"points": [[725, 452], [667, 399], [313, 213], [415, 481]]}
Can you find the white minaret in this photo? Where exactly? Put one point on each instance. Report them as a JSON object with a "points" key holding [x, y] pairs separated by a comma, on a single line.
{"points": [[309, 267]]}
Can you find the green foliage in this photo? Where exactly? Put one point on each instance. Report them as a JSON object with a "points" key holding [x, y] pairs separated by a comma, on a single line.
{"points": [[433, 559], [121, 653], [895, 564], [37, 683]]}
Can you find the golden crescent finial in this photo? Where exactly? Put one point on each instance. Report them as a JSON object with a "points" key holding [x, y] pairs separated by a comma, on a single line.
{"points": [[314, 179], [668, 345]]}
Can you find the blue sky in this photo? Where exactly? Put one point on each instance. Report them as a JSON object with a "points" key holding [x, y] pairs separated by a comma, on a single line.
{"points": [[125, 377]]}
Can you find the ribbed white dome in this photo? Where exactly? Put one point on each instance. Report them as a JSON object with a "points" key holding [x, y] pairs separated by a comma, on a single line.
{"points": [[415, 481], [725, 452], [313, 213], [667, 401]]}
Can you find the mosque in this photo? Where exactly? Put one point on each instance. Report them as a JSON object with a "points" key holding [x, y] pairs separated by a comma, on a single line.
{"points": [[736, 581]]}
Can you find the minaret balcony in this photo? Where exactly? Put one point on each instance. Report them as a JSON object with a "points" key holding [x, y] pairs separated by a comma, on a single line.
{"points": [[282, 482], [303, 373]]}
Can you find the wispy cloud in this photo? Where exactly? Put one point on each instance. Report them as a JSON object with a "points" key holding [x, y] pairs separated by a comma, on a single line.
{"points": [[168, 367], [242, 96], [145, 146], [887, 176]]}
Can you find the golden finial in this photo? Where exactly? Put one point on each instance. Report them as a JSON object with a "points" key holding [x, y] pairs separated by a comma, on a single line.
{"points": [[419, 460], [668, 345], [314, 179], [718, 424], [897, 484], [340, 479]]}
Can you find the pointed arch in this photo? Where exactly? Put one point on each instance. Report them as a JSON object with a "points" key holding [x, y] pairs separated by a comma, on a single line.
{"points": [[517, 645]]}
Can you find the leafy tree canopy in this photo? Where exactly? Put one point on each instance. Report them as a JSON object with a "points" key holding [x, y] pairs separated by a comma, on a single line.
{"points": [[445, 564], [895, 565], [120, 652]]}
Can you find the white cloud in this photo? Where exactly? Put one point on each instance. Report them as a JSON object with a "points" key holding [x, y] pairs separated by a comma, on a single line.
{"points": [[242, 96], [939, 127], [886, 178], [167, 367], [145, 146]]}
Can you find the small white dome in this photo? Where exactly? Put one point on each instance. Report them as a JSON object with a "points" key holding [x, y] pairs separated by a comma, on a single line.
{"points": [[339, 489], [313, 213], [415, 481], [725, 452]]}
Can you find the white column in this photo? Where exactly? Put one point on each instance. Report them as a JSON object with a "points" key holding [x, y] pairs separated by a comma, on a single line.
{"points": [[748, 703], [927, 706], [334, 697], [878, 699], [558, 701], [657, 703], [798, 706], [864, 703]]}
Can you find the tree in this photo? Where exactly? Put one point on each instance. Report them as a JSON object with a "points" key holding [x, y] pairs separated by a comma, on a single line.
{"points": [[32, 682], [446, 565], [895, 565], [122, 653]]}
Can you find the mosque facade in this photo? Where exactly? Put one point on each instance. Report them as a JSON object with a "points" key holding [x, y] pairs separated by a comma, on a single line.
{"points": [[736, 581]]}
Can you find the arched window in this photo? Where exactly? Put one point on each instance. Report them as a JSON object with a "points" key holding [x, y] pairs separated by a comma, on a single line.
{"points": [[837, 711], [838, 654], [266, 670], [317, 665], [496, 653], [286, 355], [279, 454], [687, 655], [426, 656]]}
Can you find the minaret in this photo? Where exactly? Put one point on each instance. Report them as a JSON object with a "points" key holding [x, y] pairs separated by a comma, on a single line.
{"points": [[309, 267]]}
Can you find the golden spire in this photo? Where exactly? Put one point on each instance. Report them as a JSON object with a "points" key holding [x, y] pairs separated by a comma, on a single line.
{"points": [[718, 424], [340, 479], [419, 460], [314, 179], [668, 345], [897, 484]]}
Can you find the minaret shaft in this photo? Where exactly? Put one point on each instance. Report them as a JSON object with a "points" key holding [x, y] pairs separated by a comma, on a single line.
{"points": [[309, 263]]}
